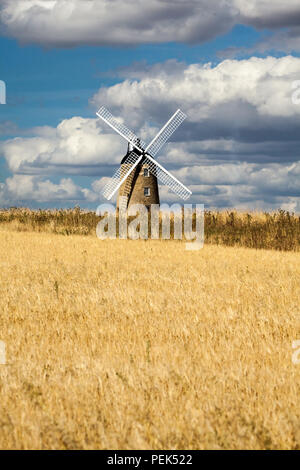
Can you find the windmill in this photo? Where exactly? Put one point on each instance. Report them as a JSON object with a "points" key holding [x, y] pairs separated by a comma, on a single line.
{"points": [[137, 176]]}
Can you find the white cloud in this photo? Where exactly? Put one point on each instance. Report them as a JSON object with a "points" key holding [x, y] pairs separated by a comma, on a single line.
{"points": [[268, 13], [240, 143], [263, 84], [68, 23], [275, 178], [242, 186], [111, 22], [77, 145], [239, 110], [28, 189]]}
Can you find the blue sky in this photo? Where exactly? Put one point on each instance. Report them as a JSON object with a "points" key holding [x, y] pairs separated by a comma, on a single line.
{"points": [[52, 78], [63, 80]]}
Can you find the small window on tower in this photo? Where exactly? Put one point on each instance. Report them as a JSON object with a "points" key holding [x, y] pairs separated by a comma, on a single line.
{"points": [[146, 172], [146, 191]]}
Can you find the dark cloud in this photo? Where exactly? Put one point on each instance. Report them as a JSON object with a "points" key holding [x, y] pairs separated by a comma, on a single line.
{"points": [[70, 23]]}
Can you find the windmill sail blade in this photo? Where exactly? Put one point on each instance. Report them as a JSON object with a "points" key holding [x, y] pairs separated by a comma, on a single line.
{"points": [[165, 133], [107, 117], [166, 178], [121, 174]]}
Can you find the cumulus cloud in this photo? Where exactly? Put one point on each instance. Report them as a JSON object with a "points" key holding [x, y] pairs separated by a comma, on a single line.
{"points": [[69, 23], [275, 179], [240, 143], [281, 18], [262, 84], [269, 13], [76, 146], [242, 185], [244, 105], [27, 189]]}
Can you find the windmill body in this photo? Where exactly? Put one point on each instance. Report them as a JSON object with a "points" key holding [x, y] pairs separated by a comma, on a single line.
{"points": [[140, 187], [138, 175]]}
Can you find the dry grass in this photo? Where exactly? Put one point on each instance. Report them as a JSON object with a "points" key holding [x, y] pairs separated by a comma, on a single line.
{"points": [[278, 230], [123, 344]]}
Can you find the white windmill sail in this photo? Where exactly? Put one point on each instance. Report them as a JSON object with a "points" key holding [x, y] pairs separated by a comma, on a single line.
{"points": [[130, 136], [167, 179], [119, 177], [165, 133], [147, 154]]}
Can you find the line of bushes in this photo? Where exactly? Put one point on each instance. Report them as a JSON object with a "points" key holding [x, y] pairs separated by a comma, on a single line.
{"points": [[279, 230]]}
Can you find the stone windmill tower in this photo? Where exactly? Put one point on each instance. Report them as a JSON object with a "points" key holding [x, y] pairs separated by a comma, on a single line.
{"points": [[140, 187], [137, 176]]}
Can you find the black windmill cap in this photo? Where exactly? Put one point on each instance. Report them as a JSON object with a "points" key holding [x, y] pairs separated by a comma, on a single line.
{"points": [[135, 150]]}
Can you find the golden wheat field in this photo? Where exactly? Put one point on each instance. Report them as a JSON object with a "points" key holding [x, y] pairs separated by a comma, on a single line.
{"points": [[143, 345]]}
